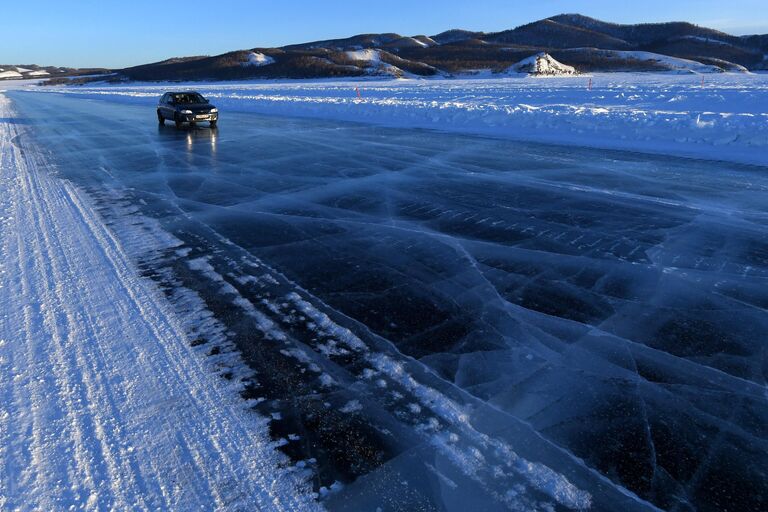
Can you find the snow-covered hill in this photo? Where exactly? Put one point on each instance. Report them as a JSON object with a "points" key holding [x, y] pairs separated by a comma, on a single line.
{"points": [[10, 74], [654, 47]]}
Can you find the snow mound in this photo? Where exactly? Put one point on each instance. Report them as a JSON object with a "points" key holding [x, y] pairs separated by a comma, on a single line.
{"points": [[258, 60], [542, 64], [37, 73]]}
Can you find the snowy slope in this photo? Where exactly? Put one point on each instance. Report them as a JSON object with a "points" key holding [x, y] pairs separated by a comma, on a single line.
{"points": [[671, 64], [370, 56], [9, 74], [103, 403], [375, 64]]}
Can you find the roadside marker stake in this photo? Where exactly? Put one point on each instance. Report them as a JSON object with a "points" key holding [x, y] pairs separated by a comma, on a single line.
{"points": [[590, 84], [357, 90]]}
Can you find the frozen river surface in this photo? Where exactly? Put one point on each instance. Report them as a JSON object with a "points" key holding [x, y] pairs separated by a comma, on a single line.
{"points": [[443, 322]]}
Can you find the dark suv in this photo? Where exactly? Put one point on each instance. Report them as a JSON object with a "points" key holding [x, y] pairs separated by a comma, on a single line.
{"points": [[186, 107]]}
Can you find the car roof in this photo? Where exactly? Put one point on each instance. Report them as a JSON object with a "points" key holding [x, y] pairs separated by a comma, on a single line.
{"points": [[183, 92]]}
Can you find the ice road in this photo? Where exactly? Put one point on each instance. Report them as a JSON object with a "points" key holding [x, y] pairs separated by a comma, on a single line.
{"points": [[378, 317]]}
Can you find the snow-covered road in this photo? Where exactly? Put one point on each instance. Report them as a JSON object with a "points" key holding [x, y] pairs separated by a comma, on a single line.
{"points": [[103, 403]]}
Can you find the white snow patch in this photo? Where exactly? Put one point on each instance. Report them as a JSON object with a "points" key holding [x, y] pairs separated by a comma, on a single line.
{"points": [[542, 64], [371, 56], [256, 59], [10, 74]]}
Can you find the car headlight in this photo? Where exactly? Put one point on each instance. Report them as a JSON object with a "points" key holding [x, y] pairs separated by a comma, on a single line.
{"points": [[186, 111], [214, 110]]}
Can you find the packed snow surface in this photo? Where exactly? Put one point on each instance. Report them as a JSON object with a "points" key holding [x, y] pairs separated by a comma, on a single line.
{"points": [[103, 403], [723, 117]]}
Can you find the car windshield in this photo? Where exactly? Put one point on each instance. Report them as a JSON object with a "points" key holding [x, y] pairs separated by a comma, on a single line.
{"points": [[188, 98]]}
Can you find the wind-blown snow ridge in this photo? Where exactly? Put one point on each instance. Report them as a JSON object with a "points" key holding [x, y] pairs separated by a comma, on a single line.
{"points": [[103, 402]]}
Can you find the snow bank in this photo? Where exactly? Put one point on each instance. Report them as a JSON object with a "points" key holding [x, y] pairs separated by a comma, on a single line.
{"points": [[725, 118]]}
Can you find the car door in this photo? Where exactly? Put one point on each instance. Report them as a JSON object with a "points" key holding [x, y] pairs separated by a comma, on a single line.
{"points": [[161, 105], [169, 106]]}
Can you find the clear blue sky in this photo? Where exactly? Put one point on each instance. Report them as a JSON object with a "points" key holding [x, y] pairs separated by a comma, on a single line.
{"points": [[118, 33]]}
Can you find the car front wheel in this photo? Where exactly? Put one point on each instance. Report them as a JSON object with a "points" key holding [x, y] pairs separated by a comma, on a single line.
{"points": [[160, 118], [213, 124]]}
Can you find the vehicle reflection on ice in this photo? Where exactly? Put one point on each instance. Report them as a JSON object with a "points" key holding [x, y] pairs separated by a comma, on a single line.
{"points": [[194, 137]]}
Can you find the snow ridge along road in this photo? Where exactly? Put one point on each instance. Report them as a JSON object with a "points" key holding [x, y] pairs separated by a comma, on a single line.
{"points": [[103, 402]]}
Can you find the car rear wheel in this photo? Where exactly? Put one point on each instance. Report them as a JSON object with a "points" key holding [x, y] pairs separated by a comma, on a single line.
{"points": [[160, 118]]}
